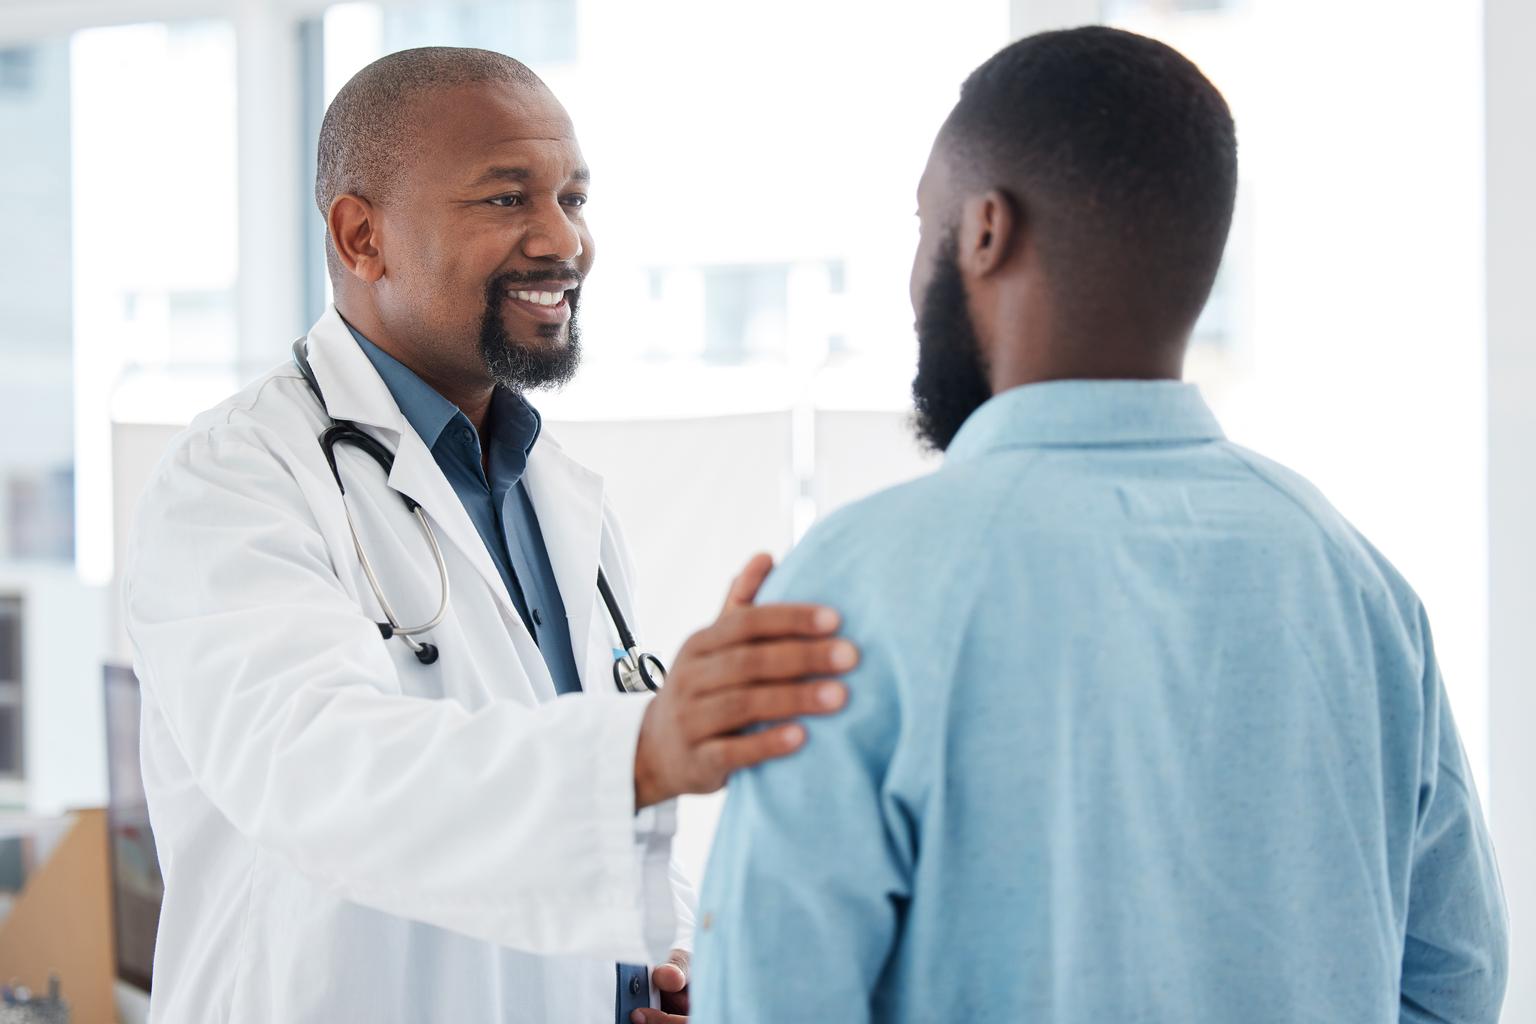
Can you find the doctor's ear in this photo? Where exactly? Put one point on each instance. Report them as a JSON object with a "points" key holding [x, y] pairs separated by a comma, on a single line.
{"points": [[991, 228], [354, 233]]}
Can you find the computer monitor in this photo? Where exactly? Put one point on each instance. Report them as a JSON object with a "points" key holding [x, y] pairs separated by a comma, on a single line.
{"points": [[137, 887]]}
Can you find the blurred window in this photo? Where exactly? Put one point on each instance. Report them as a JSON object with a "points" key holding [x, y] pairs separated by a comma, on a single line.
{"points": [[1114, 9], [744, 312], [18, 69], [124, 193], [746, 213], [155, 197], [36, 391], [534, 31]]}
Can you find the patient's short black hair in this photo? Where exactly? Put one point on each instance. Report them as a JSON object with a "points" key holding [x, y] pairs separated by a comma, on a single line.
{"points": [[1122, 157]]}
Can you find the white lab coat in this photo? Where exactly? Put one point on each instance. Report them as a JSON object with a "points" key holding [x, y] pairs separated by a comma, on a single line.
{"points": [[346, 834]]}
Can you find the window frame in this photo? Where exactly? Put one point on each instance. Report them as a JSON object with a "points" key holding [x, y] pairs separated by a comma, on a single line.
{"points": [[13, 607]]}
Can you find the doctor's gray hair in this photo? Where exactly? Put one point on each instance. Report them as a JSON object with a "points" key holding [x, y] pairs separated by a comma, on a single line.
{"points": [[369, 127]]}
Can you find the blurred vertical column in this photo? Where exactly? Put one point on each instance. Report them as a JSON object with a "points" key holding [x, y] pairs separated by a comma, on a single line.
{"points": [[270, 287], [1510, 84]]}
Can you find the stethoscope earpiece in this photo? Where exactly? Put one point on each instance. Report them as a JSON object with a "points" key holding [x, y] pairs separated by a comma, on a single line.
{"points": [[426, 653]]}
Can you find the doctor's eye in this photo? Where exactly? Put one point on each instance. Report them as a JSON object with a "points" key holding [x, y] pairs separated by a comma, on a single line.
{"points": [[577, 201], [505, 201]]}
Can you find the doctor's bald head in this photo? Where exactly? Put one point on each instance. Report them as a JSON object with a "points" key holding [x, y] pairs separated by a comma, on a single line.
{"points": [[373, 126], [1074, 212], [453, 187]]}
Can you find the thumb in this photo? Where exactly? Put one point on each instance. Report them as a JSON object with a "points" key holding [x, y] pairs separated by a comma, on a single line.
{"points": [[672, 976], [745, 586]]}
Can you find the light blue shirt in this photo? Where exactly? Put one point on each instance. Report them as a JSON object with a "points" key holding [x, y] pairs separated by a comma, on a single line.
{"points": [[1144, 731]]}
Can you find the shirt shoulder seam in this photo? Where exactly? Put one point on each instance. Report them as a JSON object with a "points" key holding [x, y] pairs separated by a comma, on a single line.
{"points": [[1351, 559]]}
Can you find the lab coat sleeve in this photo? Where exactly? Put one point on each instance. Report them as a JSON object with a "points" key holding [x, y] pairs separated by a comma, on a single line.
{"points": [[684, 901], [1455, 959], [510, 823], [810, 866], [659, 819]]}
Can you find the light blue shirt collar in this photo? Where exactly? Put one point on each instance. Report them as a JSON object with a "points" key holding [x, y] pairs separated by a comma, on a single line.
{"points": [[1087, 412]]}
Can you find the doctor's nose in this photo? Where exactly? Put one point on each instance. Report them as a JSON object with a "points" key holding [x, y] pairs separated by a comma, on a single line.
{"points": [[553, 236]]}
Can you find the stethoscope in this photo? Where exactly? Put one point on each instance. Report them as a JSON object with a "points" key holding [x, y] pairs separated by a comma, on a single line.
{"points": [[635, 671]]}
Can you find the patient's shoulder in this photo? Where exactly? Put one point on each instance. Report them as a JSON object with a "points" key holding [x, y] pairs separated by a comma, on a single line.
{"points": [[889, 539]]}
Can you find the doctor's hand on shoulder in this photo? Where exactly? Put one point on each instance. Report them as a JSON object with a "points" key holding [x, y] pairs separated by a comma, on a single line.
{"points": [[755, 665]]}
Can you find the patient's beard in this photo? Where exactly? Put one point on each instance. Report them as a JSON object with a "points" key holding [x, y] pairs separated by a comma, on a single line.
{"points": [[951, 381]]}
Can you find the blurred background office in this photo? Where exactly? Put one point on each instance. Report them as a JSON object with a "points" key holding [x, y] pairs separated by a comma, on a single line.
{"points": [[748, 332]]}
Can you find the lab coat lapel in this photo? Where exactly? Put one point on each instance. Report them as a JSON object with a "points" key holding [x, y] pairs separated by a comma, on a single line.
{"points": [[568, 499], [418, 475], [354, 391]]}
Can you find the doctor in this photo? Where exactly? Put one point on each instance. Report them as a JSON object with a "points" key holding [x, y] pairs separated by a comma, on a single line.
{"points": [[467, 823]]}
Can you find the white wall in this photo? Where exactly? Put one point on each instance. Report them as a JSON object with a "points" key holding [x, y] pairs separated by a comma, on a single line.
{"points": [[1031, 16], [136, 451], [65, 733], [1368, 370], [1511, 224]]}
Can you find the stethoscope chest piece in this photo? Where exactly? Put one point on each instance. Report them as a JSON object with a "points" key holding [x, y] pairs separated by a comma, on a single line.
{"points": [[633, 672], [639, 673]]}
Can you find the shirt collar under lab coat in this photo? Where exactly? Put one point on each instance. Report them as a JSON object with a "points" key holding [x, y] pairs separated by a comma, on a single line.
{"points": [[515, 423], [1071, 413]]}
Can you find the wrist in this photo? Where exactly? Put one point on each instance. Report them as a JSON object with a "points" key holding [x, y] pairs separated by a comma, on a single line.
{"points": [[647, 786]]}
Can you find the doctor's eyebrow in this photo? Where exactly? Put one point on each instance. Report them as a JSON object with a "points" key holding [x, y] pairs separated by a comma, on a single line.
{"points": [[518, 175]]}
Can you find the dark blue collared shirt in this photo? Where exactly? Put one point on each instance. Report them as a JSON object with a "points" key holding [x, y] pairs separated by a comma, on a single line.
{"points": [[498, 503]]}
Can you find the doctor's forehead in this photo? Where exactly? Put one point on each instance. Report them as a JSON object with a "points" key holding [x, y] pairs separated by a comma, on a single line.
{"points": [[472, 130], [408, 106]]}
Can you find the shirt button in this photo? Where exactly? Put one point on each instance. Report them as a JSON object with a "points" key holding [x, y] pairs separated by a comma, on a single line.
{"points": [[634, 984], [538, 620]]}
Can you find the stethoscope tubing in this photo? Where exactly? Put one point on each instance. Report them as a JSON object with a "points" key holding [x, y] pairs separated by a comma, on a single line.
{"points": [[635, 666]]}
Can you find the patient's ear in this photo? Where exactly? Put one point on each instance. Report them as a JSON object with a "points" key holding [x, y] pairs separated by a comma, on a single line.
{"points": [[990, 231]]}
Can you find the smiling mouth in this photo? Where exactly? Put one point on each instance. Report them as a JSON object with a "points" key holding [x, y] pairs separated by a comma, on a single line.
{"points": [[543, 306], [541, 298]]}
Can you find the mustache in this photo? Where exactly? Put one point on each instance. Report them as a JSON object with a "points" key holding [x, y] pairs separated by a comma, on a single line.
{"points": [[564, 272]]}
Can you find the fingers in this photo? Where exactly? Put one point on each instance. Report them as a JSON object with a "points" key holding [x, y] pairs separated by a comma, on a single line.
{"points": [[735, 752], [672, 976], [669, 978], [744, 588], [648, 1016], [689, 740], [773, 661], [735, 708], [671, 981], [770, 622]]}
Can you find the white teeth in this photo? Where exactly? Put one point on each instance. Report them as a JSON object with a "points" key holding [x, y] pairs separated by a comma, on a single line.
{"points": [[542, 298]]}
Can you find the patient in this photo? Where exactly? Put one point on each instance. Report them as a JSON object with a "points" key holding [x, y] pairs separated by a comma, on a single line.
{"points": [[1144, 730]]}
